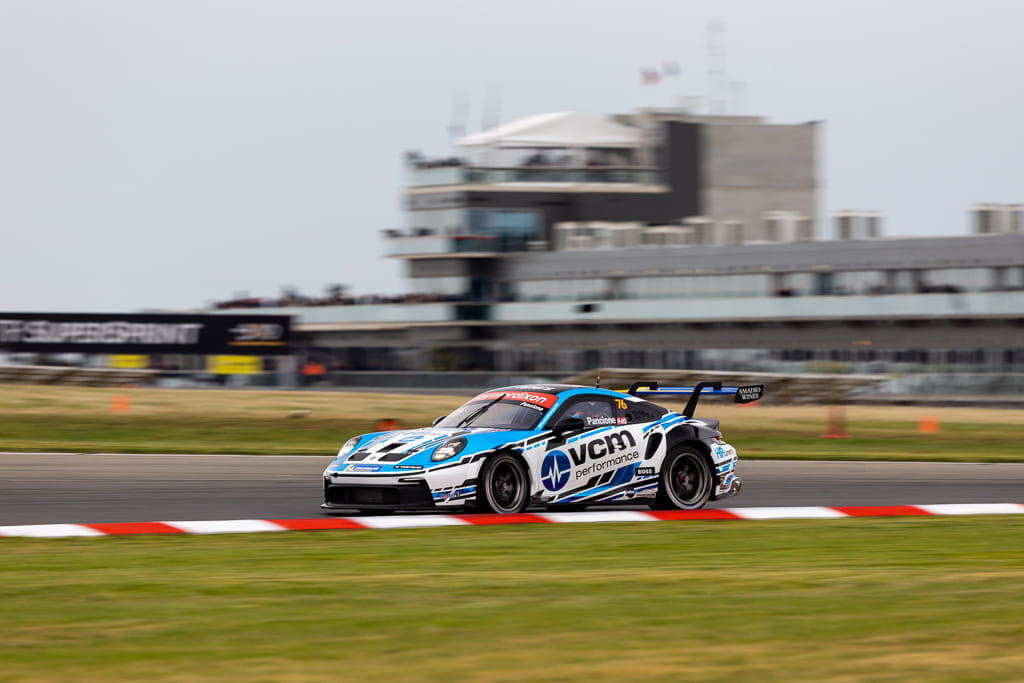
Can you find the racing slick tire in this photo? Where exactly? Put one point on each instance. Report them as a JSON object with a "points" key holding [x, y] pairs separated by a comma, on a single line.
{"points": [[503, 486], [685, 482]]}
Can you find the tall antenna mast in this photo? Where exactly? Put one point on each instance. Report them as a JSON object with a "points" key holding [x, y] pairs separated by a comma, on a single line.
{"points": [[460, 111], [738, 97], [717, 83], [492, 108]]}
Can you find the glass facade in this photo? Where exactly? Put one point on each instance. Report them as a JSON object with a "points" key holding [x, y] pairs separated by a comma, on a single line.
{"points": [[439, 286], [823, 283], [505, 223], [563, 290], [956, 279], [680, 286], [438, 222], [475, 175], [514, 223], [859, 281]]}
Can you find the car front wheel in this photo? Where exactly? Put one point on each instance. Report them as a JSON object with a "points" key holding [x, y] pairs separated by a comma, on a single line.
{"points": [[503, 486], [685, 482]]}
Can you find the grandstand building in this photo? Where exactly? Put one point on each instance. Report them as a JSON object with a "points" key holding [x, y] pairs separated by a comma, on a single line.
{"points": [[662, 239]]}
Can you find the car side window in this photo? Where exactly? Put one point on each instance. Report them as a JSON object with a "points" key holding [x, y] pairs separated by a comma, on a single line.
{"points": [[595, 411], [644, 411]]}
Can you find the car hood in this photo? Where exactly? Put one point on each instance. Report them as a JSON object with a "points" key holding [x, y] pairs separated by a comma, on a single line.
{"points": [[410, 449]]}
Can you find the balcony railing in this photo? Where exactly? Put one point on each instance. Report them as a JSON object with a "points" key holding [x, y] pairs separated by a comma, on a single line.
{"points": [[404, 244], [538, 175], [896, 306]]}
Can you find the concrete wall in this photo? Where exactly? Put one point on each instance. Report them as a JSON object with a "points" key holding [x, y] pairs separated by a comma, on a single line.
{"points": [[749, 169]]}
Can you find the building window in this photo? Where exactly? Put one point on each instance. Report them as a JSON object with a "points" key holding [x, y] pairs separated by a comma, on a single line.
{"points": [[504, 223], [563, 290], [956, 280], [689, 286], [437, 222]]}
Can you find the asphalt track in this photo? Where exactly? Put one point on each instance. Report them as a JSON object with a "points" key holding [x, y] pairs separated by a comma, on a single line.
{"points": [[42, 488]]}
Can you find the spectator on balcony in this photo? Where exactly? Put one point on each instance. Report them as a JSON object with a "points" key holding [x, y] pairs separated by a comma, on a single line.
{"points": [[537, 159]]}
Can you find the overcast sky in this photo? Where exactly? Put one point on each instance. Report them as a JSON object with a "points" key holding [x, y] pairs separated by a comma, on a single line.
{"points": [[165, 155]]}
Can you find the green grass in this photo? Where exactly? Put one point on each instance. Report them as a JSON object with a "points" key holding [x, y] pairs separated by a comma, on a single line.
{"points": [[282, 422], [197, 434], [72, 419], [838, 600]]}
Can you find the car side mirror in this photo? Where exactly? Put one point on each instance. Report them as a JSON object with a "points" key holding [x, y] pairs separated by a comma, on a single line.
{"points": [[437, 419], [569, 424]]}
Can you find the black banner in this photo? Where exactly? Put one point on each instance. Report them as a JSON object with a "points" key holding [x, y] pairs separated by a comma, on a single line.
{"points": [[132, 333]]}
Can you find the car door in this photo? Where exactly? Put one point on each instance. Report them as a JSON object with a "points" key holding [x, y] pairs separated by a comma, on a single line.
{"points": [[598, 463]]}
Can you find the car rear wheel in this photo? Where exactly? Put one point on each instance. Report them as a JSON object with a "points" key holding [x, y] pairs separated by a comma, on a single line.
{"points": [[503, 486], [685, 482]]}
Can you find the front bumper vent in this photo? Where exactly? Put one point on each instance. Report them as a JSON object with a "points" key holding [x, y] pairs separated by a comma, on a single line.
{"points": [[392, 496]]}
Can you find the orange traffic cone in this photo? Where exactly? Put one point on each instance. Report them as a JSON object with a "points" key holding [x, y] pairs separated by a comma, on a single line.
{"points": [[835, 425], [929, 424], [120, 403]]}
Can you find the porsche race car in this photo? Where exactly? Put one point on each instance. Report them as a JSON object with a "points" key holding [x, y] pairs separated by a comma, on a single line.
{"points": [[556, 446]]}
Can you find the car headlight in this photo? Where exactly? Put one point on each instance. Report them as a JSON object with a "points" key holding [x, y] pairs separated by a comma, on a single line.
{"points": [[449, 449], [348, 446]]}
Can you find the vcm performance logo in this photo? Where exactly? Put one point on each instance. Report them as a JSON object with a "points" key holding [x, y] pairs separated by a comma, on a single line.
{"points": [[555, 471]]}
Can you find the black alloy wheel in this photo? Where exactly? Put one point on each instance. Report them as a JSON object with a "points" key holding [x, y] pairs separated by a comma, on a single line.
{"points": [[686, 481], [504, 485]]}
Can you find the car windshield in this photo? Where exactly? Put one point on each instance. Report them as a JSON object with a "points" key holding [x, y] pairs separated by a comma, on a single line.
{"points": [[500, 410]]}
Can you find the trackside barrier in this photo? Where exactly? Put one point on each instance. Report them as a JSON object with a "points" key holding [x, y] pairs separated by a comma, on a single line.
{"points": [[74, 376], [413, 521], [780, 388]]}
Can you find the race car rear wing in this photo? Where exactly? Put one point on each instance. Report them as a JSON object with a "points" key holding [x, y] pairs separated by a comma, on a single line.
{"points": [[746, 394]]}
